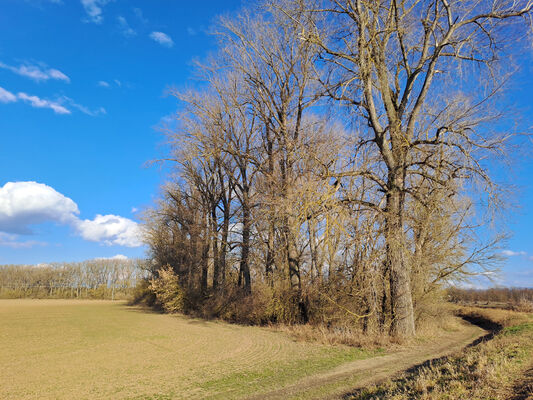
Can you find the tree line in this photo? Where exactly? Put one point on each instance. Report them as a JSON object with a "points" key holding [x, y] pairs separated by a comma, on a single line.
{"points": [[333, 162], [511, 296], [93, 279]]}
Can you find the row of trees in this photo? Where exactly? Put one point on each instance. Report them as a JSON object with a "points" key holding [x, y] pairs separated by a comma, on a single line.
{"points": [[99, 278], [511, 296], [334, 158]]}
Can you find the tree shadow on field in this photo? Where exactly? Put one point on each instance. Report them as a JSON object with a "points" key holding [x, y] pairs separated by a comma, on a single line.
{"points": [[142, 309]]}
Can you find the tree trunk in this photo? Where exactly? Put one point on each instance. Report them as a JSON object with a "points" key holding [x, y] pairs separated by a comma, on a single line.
{"points": [[214, 243], [316, 271], [205, 265], [224, 246], [244, 270], [403, 323], [270, 250]]}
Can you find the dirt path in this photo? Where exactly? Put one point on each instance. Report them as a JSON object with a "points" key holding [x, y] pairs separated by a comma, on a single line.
{"points": [[355, 375]]}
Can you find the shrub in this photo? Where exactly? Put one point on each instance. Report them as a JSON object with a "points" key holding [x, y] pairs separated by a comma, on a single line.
{"points": [[168, 291], [143, 294]]}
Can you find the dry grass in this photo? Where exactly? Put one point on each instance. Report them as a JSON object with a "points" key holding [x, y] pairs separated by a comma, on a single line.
{"points": [[487, 371], [68, 349], [433, 324], [335, 336], [503, 317]]}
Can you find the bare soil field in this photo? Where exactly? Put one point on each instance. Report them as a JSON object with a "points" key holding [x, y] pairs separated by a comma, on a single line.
{"points": [[65, 349]]}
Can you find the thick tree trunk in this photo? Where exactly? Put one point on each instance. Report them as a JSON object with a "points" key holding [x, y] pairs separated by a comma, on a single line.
{"points": [[224, 246], [403, 323], [244, 270], [214, 243], [205, 265], [270, 250], [294, 266], [316, 270]]}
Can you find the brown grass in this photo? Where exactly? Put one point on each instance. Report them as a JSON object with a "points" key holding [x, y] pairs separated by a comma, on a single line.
{"points": [[335, 336], [487, 371]]}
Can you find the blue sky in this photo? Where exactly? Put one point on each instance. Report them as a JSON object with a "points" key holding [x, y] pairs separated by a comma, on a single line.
{"points": [[84, 87], [82, 90]]}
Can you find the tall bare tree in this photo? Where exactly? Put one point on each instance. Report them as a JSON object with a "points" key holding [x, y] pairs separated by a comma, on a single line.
{"points": [[404, 67]]}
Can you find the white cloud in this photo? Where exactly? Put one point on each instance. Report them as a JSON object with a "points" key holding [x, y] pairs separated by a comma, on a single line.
{"points": [[24, 204], [134, 210], [37, 73], [28, 203], [93, 8], [111, 230], [103, 84], [510, 253], [37, 102], [162, 38], [117, 82], [6, 96], [125, 28]]}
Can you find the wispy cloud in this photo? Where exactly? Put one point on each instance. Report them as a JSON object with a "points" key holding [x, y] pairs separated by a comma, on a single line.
{"points": [[6, 96], [37, 73], [59, 106], [37, 102], [93, 8], [84, 109], [511, 253], [196, 31], [120, 257], [162, 38], [114, 82], [125, 28], [12, 241], [140, 16]]}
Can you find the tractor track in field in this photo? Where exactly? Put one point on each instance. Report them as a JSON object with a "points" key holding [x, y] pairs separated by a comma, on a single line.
{"points": [[362, 373]]}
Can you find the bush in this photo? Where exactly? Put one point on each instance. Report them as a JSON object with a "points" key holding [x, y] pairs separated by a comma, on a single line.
{"points": [[168, 291], [143, 294]]}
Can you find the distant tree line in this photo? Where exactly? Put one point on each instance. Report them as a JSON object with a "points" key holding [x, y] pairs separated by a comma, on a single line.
{"points": [[500, 295], [332, 165], [94, 279]]}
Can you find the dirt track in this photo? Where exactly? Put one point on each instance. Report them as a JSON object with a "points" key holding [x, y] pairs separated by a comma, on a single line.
{"points": [[354, 375]]}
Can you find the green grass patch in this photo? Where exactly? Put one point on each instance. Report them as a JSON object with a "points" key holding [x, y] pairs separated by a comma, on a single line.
{"points": [[518, 329], [278, 374]]}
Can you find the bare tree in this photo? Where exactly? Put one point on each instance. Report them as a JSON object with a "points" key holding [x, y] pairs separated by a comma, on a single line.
{"points": [[403, 68]]}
